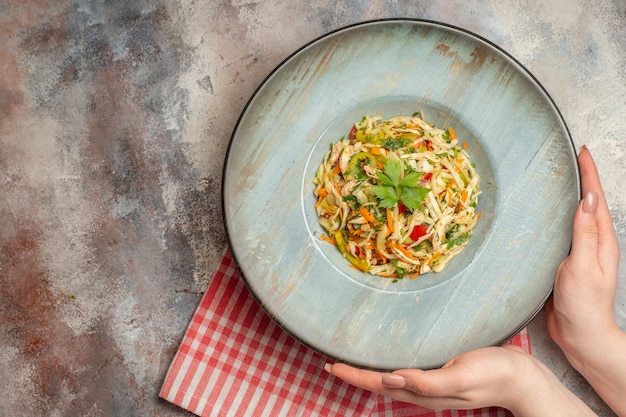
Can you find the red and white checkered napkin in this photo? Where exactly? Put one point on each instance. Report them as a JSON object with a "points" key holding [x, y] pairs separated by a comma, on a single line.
{"points": [[235, 361]]}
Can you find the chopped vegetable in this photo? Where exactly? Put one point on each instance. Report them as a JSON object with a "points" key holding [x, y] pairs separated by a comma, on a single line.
{"points": [[389, 220], [367, 215], [343, 248], [418, 231], [399, 197]]}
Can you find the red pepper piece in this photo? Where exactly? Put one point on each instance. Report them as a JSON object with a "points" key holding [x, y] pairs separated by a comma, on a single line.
{"points": [[418, 231]]}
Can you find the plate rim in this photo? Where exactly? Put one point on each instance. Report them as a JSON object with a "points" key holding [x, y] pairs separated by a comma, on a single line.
{"points": [[328, 34]]}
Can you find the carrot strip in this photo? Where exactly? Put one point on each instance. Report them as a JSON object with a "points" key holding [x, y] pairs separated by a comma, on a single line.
{"points": [[322, 192], [367, 215], [418, 145], [376, 151], [452, 133], [357, 232], [403, 250], [389, 220], [329, 240]]}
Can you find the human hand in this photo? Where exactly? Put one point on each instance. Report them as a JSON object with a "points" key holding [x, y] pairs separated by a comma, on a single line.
{"points": [[494, 376], [580, 316], [581, 310]]}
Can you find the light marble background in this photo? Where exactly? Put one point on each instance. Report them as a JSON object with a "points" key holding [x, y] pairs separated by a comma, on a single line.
{"points": [[114, 121]]}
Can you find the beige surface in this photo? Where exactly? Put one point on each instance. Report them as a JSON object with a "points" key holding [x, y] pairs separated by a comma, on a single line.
{"points": [[114, 120]]}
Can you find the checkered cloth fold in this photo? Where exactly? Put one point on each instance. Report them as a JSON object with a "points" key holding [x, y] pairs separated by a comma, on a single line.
{"points": [[235, 361]]}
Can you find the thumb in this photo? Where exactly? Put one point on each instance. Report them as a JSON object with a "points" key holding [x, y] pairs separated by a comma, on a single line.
{"points": [[585, 230]]}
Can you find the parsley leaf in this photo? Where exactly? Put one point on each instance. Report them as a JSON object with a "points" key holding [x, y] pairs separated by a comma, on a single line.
{"points": [[393, 189], [387, 195], [393, 170], [413, 197], [385, 180], [411, 179]]}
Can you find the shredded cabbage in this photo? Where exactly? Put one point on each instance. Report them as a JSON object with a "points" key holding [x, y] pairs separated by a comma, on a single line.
{"points": [[398, 197]]}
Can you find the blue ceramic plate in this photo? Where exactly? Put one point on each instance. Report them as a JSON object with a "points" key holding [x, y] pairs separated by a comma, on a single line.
{"points": [[517, 139]]}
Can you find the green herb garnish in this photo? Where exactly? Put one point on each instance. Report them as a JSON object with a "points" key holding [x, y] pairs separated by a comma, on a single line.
{"points": [[401, 272], [392, 144], [458, 241], [395, 187]]}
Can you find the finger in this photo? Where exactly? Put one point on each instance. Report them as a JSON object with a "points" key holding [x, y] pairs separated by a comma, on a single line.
{"points": [[406, 391], [362, 378], [585, 233], [590, 179], [607, 240]]}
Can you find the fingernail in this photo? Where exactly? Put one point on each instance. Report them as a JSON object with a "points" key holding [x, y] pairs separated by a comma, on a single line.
{"points": [[590, 202], [583, 148], [393, 381], [328, 367]]}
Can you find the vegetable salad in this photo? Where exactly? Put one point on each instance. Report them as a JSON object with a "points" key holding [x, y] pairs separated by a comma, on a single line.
{"points": [[397, 197]]}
